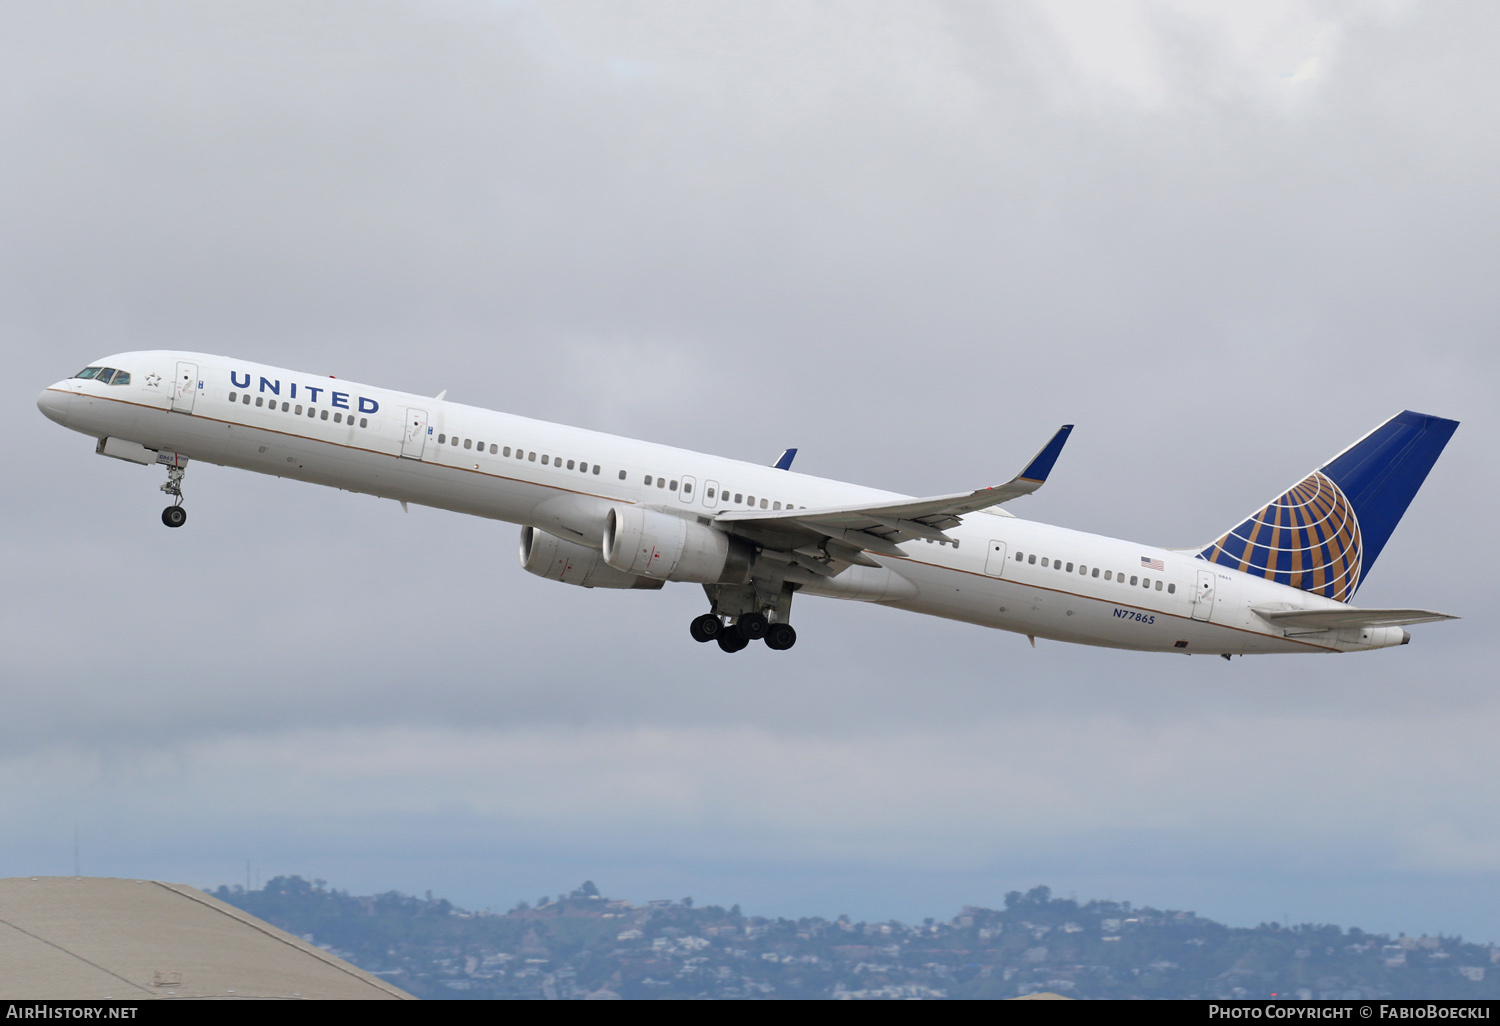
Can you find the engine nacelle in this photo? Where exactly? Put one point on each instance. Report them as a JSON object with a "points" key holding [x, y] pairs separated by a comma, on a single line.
{"points": [[549, 556], [665, 547]]}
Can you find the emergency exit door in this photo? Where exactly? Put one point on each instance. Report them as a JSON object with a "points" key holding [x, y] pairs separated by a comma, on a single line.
{"points": [[415, 437], [994, 561]]}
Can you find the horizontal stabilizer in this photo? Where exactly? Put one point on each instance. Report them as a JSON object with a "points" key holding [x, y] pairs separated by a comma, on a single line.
{"points": [[1337, 619]]}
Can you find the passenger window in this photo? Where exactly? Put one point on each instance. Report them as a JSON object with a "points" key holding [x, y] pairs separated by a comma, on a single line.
{"points": [[325, 415], [583, 468], [762, 503], [1070, 568], [1171, 589], [494, 449], [298, 411], [1031, 559], [285, 407], [1096, 572], [234, 397], [648, 479], [672, 487], [338, 418], [738, 497], [1145, 582], [364, 422], [312, 412], [749, 500], [1020, 557], [775, 505], [1158, 586], [1132, 580], [710, 493], [442, 439], [260, 400], [1109, 575], [622, 475], [596, 470], [1083, 569], [453, 441], [687, 488], [506, 451], [570, 464], [531, 457], [468, 443], [1044, 561], [245, 399], [661, 482]]}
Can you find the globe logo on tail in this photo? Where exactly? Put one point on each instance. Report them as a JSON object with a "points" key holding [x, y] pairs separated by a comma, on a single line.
{"points": [[1308, 538]]}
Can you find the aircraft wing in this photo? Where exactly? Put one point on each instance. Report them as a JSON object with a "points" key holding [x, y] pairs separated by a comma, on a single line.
{"points": [[842, 533], [1334, 619]]}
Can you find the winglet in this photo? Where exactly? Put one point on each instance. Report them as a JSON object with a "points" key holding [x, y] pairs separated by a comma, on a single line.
{"points": [[784, 461], [1038, 469]]}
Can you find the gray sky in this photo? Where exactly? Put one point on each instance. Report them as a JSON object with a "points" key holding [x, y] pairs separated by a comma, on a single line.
{"points": [[911, 239]]}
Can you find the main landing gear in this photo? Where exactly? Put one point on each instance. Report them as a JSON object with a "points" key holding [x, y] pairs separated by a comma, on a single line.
{"points": [[733, 637], [174, 515]]}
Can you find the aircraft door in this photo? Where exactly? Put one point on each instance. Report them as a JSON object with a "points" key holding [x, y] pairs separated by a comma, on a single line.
{"points": [[185, 388], [414, 438], [685, 491], [1203, 600], [710, 494], [994, 562]]}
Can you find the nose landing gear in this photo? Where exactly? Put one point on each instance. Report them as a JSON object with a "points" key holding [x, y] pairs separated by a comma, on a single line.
{"points": [[174, 515]]}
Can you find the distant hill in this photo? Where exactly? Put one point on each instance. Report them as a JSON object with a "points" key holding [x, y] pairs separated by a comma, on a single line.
{"points": [[584, 945]]}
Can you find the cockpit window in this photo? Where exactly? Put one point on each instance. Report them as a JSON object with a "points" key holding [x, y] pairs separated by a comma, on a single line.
{"points": [[104, 375], [120, 378], [88, 372]]}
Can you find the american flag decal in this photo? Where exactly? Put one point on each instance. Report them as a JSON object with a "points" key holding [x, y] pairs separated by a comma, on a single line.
{"points": [[1152, 564]]}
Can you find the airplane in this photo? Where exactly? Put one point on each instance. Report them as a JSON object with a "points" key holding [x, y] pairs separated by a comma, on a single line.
{"points": [[603, 511]]}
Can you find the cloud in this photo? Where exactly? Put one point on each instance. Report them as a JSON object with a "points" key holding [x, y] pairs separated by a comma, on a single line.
{"points": [[908, 239]]}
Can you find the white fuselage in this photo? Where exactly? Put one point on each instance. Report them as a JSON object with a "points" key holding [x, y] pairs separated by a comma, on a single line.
{"points": [[443, 454]]}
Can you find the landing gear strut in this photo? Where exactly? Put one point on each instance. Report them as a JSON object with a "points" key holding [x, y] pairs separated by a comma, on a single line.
{"points": [[174, 515]]}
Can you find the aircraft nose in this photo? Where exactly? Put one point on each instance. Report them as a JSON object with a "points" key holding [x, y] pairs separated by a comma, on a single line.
{"points": [[54, 404]]}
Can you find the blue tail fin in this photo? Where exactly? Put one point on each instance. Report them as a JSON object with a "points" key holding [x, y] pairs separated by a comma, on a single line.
{"points": [[1324, 534]]}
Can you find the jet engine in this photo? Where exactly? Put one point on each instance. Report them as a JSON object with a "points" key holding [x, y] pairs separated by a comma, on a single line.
{"points": [[665, 547], [549, 556]]}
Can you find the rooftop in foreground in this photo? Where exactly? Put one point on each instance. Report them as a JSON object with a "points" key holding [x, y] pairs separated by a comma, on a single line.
{"points": [[96, 938]]}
